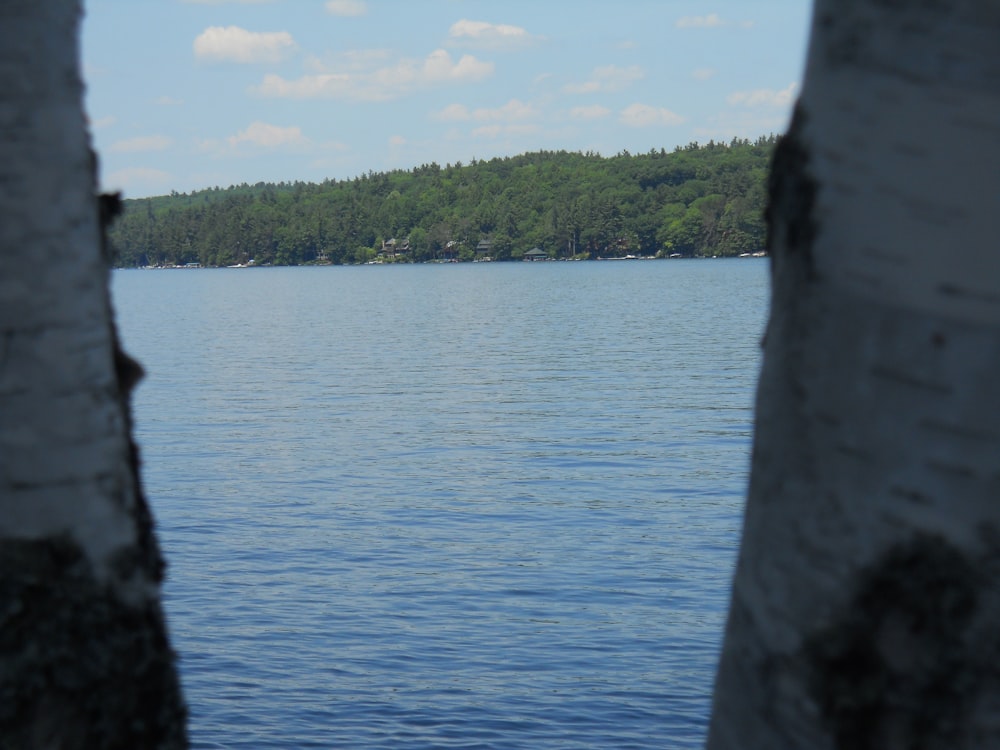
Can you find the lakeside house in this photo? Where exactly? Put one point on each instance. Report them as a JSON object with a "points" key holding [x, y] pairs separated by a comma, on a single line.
{"points": [[536, 253], [449, 251], [394, 248]]}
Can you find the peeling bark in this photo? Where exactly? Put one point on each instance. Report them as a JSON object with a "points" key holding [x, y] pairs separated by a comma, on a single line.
{"points": [[84, 656]]}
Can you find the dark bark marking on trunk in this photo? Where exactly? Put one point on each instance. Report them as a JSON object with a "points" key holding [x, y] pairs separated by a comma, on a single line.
{"points": [[909, 494], [791, 226], [900, 667], [905, 378], [109, 207], [70, 648], [796, 302], [953, 290]]}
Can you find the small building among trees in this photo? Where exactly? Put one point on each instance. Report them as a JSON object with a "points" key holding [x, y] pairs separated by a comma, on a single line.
{"points": [[393, 248]]}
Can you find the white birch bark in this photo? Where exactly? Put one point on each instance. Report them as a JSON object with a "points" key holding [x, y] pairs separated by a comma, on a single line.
{"points": [[84, 660], [866, 606]]}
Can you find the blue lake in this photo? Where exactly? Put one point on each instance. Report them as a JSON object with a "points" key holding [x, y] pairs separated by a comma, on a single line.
{"points": [[459, 506]]}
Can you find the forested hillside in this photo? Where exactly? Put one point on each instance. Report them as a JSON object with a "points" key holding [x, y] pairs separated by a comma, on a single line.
{"points": [[697, 200]]}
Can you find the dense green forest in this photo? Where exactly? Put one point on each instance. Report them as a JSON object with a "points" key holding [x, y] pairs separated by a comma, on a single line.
{"points": [[694, 201]]}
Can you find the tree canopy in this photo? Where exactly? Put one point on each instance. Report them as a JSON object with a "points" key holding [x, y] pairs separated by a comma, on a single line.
{"points": [[696, 200]]}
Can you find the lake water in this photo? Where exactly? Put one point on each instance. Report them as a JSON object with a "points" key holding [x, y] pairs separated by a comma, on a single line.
{"points": [[459, 506]]}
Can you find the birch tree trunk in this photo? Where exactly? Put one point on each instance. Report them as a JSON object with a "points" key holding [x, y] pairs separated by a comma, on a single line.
{"points": [[866, 602], [84, 657]]}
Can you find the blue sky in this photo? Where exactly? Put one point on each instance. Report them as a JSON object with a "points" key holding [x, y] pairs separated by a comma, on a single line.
{"points": [[189, 94]]}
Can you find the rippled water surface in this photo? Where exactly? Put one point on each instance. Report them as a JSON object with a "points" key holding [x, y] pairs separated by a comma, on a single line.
{"points": [[462, 506]]}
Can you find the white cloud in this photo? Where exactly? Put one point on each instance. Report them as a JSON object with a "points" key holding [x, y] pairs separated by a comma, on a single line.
{"points": [[643, 116], [511, 119], [439, 67], [316, 86], [489, 35], [222, 2], [168, 101], [512, 111], [142, 143], [607, 78], [234, 44], [592, 112], [699, 22], [702, 74], [397, 140], [764, 97], [379, 84], [351, 8], [264, 135]]}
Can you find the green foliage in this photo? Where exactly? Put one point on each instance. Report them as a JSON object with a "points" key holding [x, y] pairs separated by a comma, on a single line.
{"points": [[696, 200]]}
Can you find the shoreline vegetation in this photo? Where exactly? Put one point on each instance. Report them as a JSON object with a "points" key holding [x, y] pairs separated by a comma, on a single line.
{"points": [[379, 262], [696, 201]]}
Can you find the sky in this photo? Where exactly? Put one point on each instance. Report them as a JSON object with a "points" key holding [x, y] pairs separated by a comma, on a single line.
{"points": [[184, 95]]}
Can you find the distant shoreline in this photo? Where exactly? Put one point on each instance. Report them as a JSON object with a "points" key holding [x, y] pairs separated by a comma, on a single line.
{"points": [[196, 266]]}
